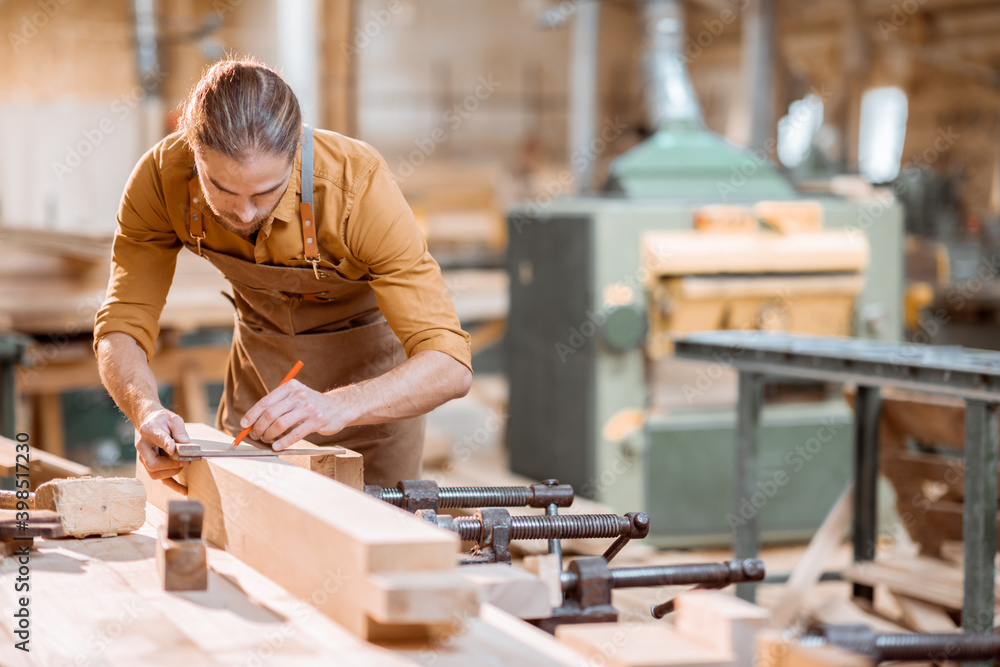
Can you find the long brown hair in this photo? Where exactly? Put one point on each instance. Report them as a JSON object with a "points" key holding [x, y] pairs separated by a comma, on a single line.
{"points": [[242, 108]]}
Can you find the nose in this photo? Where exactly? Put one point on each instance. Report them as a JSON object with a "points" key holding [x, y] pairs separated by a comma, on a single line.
{"points": [[245, 211]]}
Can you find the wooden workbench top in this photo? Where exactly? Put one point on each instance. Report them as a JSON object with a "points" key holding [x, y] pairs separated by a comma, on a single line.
{"points": [[98, 602]]}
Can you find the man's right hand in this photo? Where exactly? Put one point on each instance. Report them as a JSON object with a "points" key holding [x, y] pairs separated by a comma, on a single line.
{"points": [[162, 429]]}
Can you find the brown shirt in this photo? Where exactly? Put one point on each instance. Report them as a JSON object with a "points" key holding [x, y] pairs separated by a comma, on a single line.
{"points": [[366, 231]]}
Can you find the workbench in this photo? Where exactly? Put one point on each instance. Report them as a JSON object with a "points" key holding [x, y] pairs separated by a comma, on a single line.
{"points": [[972, 375], [100, 602]]}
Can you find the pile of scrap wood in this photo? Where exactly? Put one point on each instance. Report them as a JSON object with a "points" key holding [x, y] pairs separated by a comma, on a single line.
{"points": [[921, 440], [921, 593]]}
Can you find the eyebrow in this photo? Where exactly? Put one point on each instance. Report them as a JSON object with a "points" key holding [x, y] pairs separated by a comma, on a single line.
{"points": [[256, 194]]}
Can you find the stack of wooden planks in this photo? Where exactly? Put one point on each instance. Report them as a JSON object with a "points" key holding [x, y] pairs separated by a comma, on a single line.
{"points": [[921, 439], [921, 593]]}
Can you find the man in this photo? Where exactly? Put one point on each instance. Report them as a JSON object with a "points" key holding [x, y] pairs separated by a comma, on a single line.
{"points": [[326, 263]]}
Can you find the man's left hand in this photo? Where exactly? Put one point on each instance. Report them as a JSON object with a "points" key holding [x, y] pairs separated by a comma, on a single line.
{"points": [[297, 407]]}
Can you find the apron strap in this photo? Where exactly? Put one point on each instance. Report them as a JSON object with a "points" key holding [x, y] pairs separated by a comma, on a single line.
{"points": [[196, 219], [309, 244]]}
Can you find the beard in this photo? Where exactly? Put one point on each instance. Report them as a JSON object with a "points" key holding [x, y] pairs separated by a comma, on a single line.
{"points": [[235, 225]]}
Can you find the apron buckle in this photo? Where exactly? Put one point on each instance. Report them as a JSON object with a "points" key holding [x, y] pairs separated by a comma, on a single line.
{"points": [[198, 239], [315, 265]]}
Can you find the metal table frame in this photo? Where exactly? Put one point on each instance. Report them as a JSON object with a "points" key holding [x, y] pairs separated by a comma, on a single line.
{"points": [[973, 375]]}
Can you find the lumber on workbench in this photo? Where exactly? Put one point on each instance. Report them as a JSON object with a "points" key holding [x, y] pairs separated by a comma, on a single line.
{"points": [[640, 645], [101, 506], [42, 465], [721, 621], [517, 592], [920, 577], [776, 650], [316, 536], [100, 602]]}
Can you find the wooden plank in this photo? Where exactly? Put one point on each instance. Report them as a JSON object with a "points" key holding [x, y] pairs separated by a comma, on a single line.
{"points": [[774, 649], [721, 621], [514, 591], [311, 534], [548, 569], [921, 616], [912, 473], [43, 465], [99, 602], [421, 597], [344, 465], [101, 506], [841, 611], [921, 578], [807, 572], [687, 253], [640, 645], [930, 419], [57, 375]]}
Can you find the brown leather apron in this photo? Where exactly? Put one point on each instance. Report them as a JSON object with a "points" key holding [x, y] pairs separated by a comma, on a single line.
{"points": [[333, 325]]}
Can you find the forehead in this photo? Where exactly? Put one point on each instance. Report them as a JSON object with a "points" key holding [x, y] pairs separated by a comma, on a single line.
{"points": [[254, 173]]}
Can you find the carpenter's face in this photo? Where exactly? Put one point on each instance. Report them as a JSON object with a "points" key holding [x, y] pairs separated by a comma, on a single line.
{"points": [[242, 194]]}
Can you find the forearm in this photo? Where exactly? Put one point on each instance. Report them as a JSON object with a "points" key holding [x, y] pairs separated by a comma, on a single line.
{"points": [[415, 387], [127, 376]]}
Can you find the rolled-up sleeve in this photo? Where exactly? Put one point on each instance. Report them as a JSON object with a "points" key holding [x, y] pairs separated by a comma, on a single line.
{"points": [[143, 259], [383, 235]]}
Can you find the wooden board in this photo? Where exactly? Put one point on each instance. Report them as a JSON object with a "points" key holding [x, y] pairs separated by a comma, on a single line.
{"points": [[921, 616], [43, 465], [807, 573], [689, 253], [640, 645], [344, 465], [721, 621], [846, 612], [318, 538], [921, 578], [514, 591], [99, 602]]}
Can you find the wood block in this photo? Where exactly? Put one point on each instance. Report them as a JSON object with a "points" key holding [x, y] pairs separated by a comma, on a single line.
{"points": [[921, 616], [318, 538], [443, 597], [181, 563], [825, 656], [771, 648], [344, 465], [725, 218], [640, 645], [722, 622], [514, 591], [790, 217], [841, 611], [95, 505], [547, 568]]}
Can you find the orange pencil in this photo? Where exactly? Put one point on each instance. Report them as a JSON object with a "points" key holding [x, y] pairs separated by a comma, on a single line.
{"points": [[291, 374]]}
